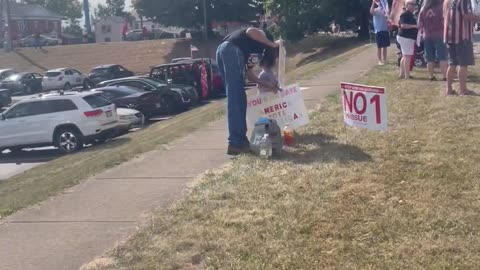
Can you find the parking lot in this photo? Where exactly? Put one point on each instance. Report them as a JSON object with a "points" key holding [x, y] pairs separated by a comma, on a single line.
{"points": [[148, 98]]}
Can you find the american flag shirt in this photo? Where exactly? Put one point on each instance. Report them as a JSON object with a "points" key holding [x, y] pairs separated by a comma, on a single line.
{"points": [[457, 29]]}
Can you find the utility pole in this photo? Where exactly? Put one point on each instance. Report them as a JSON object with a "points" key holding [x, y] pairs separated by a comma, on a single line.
{"points": [[205, 33], [86, 11], [8, 46]]}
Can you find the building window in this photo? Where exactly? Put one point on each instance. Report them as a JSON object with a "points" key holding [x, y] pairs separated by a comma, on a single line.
{"points": [[106, 29]]}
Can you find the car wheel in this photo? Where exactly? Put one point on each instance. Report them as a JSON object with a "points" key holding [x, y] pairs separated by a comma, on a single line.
{"points": [[168, 104], [68, 140], [28, 90], [67, 87], [86, 85]]}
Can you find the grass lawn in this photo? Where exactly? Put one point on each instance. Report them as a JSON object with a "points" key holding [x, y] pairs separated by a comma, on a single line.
{"points": [[341, 199], [54, 177]]}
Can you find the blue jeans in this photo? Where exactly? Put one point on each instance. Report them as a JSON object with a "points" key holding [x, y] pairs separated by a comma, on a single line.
{"points": [[231, 63]]}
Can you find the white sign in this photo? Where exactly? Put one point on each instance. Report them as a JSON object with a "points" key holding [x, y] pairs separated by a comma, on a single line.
{"points": [[285, 107], [282, 59], [364, 106]]}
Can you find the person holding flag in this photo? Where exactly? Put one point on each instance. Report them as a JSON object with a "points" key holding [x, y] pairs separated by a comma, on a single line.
{"points": [[379, 11]]}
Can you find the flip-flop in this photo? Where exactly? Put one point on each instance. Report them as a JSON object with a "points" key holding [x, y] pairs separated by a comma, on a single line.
{"points": [[451, 93], [468, 93]]}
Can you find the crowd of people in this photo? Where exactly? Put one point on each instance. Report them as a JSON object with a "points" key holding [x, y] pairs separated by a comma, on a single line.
{"points": [[446, 28]]}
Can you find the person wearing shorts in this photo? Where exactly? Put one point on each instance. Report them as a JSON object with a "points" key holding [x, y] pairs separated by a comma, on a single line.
{"points": [[380, 25], [430, 22], [407, 37], [458, 34]]}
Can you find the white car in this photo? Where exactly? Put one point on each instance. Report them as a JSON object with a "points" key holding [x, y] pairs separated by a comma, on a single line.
{"points": [[64, 78], [129, 119], [67, 121]]}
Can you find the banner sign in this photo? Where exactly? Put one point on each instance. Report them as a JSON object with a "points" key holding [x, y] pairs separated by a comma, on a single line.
{"points": [[364, 106], [286, 107]]}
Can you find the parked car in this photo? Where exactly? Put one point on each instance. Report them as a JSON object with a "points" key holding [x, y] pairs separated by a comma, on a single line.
{"points": [[129, 118], [172, 100], [5, 73], [134, 35], [148, 103], [5, 98], [189, 72], [64, 78], [108, 72], [29, 41], [23, 83], [67, 121], [186, 90]]}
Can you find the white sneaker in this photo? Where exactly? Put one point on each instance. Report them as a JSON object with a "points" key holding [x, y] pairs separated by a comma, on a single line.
{"points": [[380, 63]]}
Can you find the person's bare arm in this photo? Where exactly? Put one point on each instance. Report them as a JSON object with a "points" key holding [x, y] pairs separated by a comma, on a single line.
{"points": [[264, 84], [259, 36], [471, 17], [420, 22], [372, 8], [408, 26]]}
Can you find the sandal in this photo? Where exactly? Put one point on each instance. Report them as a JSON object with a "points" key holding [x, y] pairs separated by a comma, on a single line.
{"points": [[468, 93], [451, 93]]}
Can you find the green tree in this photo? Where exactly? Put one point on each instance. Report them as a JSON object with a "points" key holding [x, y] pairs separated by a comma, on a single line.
{"points": [[189, 13], [71, 9], [111, 8], [73, 29]]}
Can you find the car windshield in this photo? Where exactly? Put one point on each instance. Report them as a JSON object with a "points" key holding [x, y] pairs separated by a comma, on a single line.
{"points": [[53, 74], [157, 83], [100, 71], [125, 91], [97, 101]]}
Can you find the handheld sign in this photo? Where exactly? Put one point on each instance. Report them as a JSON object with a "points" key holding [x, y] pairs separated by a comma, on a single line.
{"points": [[364, 106], [285, 107]]}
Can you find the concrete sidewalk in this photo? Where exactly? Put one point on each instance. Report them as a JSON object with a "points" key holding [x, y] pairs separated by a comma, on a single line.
{"points": [[73, 228]]}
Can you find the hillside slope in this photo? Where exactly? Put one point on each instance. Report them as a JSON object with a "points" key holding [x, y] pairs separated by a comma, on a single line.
{"points": [[136, 56]]}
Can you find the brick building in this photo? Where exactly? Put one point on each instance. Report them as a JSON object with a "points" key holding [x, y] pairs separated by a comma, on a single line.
{"points": [[27, 19]]}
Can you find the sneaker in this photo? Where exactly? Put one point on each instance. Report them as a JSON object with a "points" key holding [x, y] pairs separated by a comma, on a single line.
{"points": [[380, 63], [235, 151]]}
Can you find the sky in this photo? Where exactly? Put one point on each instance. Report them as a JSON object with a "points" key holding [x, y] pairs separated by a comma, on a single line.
{"points": [[94, 3]]}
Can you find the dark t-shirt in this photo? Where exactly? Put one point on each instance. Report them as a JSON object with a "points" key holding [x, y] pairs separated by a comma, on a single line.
{"points": [[408, 18], [251, 49]]}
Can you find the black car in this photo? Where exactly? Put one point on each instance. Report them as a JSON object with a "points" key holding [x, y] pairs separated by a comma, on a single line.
{"points": [[5, 73], [5, 98], [171, 101], [23, 83], [108, 72], [148, 103], [186, 90], [189, 72]]}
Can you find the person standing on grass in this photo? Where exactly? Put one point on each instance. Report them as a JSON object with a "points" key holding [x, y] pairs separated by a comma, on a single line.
{"points": [[380, 26], [236, 56], [458, 35], [430, 21], [407, 36]]}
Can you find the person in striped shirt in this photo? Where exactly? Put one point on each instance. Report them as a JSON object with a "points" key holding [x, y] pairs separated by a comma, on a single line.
{"points": [[458, 35]]}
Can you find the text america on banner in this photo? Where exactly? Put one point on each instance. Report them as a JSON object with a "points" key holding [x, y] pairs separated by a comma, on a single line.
{"points": [[285, 107]]}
